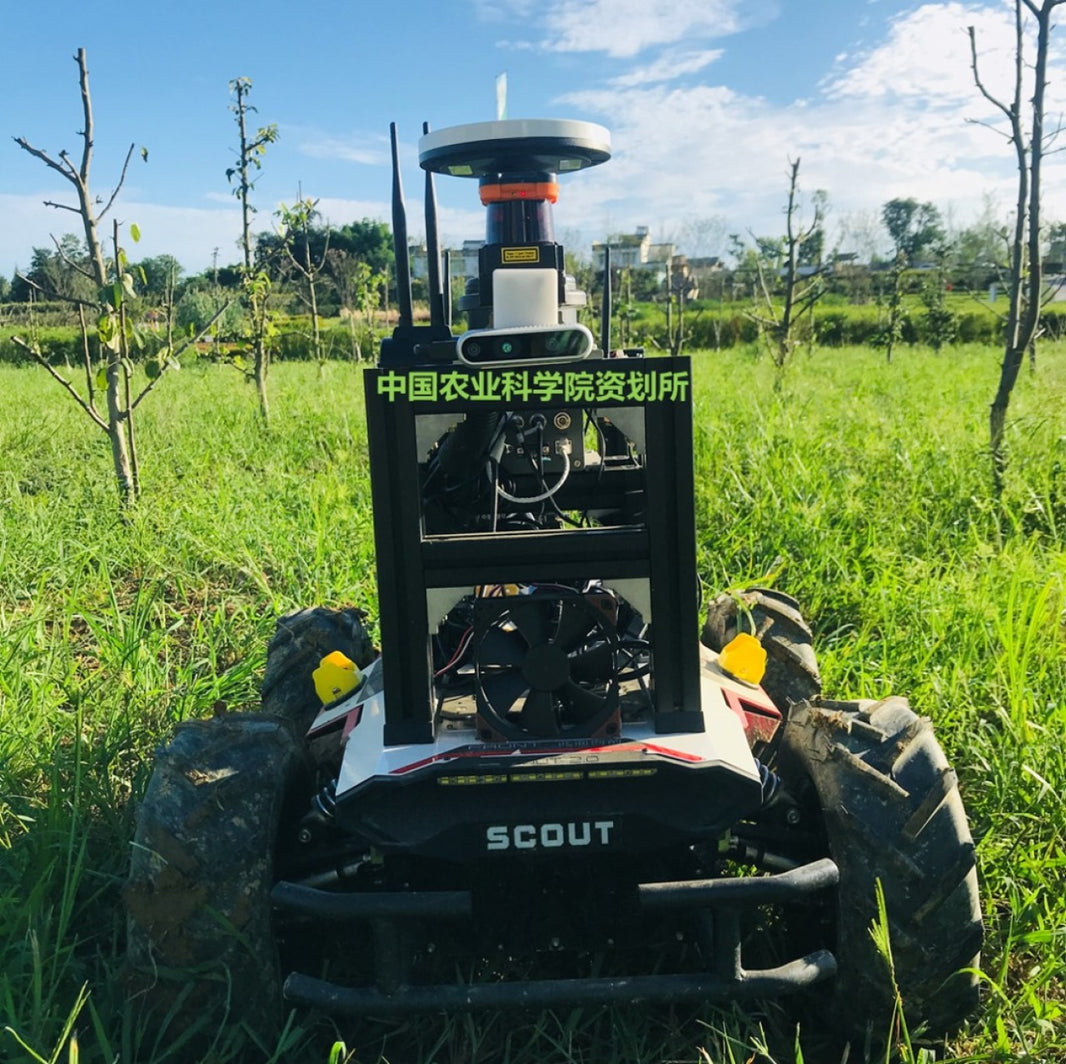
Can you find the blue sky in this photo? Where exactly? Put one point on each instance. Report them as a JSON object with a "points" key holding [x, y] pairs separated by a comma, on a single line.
{"points": [[706, 100]]}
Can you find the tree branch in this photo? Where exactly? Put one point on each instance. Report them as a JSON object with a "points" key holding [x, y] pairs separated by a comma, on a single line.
{"points": [[70, 262], [63, 207], [87, 359], [30, 350], [1052, 290], [988, 126], [181, 350], [87, 110], [63, 168], [977, 77], [1048, 5], [118, 187], [56, 295]]}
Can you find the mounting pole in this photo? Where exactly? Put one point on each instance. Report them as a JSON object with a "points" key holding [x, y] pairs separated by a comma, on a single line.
{"points": [[399, 236], [436, 296], [446, 294], [605, 309]]}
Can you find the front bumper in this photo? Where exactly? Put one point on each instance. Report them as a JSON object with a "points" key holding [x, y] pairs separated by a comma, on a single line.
{"points": [[715, 907]]}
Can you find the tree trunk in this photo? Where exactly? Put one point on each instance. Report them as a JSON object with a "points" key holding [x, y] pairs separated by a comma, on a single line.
{"points": [[120, 457], [255, 286], [119, 413], [1023, 314], [784, 337]]}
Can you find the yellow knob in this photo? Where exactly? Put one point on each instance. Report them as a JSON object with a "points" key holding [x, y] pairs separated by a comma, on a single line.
{"points": [[744, 657], [336, 676]]}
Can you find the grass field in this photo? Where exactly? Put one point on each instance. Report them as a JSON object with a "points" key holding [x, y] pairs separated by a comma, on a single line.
{"points": [[860, 488]]}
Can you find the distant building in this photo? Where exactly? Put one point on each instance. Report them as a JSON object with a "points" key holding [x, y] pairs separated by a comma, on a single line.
{"points": [[463, 261], [634, 251], [708, 274], [468, 256], [706, 264]]}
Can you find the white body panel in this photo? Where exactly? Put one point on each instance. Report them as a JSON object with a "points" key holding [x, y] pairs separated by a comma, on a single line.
{"points": [[723, 741]]}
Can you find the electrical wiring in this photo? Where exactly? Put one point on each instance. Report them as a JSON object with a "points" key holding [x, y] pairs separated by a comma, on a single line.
{"points": [[547, 494], [460, 650]]}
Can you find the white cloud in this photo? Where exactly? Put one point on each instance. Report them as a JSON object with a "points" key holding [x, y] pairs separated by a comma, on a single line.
{"points": [[191, 234], [670, 65], [339, 211], [927, 57], [362, 150], [188, 233], [27, 224], [898, 120], [624, 28]]}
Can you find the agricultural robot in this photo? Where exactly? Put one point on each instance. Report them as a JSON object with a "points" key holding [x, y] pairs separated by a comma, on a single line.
{"points": [[547, 790]]}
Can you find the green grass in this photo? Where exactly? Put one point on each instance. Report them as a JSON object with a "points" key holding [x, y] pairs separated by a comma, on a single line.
{"points": [[862, 489]]}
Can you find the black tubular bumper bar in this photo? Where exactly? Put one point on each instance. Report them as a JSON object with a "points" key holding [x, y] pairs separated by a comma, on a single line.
{"points": [[791, 886], [411, 905], [717, 904], [546, 994]]}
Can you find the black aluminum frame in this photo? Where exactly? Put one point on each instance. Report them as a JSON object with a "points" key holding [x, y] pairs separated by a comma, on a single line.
{"points": [[662, 549]]}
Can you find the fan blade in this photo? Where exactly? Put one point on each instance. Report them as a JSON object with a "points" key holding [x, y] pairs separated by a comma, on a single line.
{"points": [[538, 714], [502, 688], [593, 664], [533, 619], [501, 648], [575, 622], [581, 703]]}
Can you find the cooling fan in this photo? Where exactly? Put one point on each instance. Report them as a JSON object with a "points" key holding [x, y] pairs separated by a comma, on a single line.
{"points": [[545, 665]]}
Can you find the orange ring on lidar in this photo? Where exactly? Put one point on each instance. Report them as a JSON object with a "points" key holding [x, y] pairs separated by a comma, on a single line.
{"points": [[513, 190]]}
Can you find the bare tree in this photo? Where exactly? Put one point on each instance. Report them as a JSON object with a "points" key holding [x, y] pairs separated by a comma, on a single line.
{"points": [[678, 285], [296, 243], [114, 331], [914, 227], [800, 274], [78, 176], [256, 283], [1024, 278]]}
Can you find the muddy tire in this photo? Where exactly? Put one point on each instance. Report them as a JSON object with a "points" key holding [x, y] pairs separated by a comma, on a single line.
{"points": [[873, 778], [301, 640], [791, 668], [200, 949]]}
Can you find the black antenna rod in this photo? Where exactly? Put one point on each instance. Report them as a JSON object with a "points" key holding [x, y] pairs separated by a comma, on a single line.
{"points": [[447, 292], [399, 236], [605, 309], [436, 295]]}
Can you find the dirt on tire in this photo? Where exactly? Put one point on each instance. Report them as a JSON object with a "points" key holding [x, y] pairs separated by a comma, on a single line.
{"points": [[892, 815], [200, 948]]}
